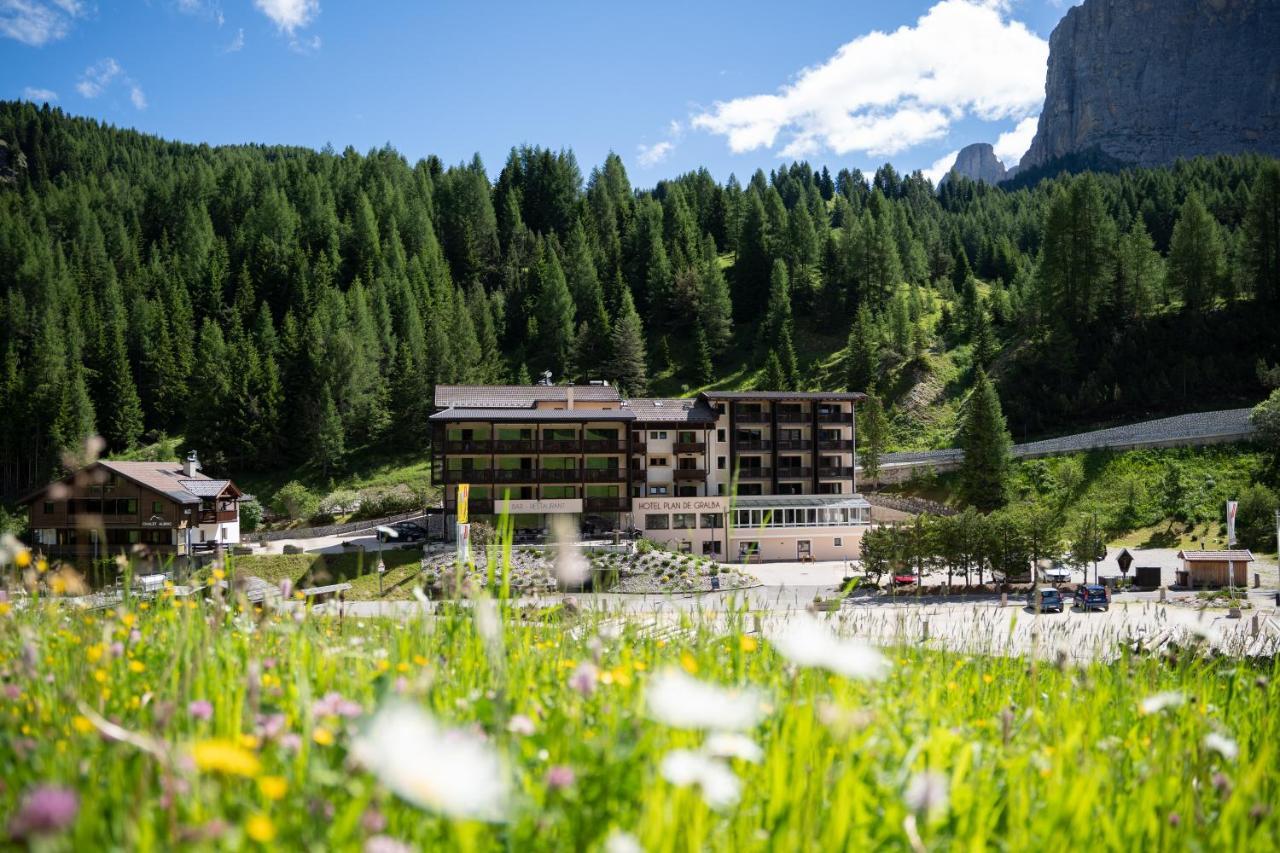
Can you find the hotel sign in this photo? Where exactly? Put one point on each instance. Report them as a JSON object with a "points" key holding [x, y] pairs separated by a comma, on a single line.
{"points": [[550, 505], [706, 504], [156, 521]]}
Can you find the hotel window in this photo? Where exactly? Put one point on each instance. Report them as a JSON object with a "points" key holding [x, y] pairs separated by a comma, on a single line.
{"points": [[657, 461], [48, 507], [658, 490], [720, 435], [659, 521], [710, 549], [658, 435], [720, 463], [685, 547], [684, 521], [157, 507], [839, 542], [712, 520]]}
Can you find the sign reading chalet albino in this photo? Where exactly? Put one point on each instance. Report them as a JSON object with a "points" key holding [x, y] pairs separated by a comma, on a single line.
{"points": [[702, 504]]}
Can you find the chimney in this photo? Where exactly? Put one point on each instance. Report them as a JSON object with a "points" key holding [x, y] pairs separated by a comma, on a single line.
{"points": [[568, 396], [191, 466]]}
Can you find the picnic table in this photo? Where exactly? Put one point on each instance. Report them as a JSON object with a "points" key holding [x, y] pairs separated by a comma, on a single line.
{"points": [[317, 593]]}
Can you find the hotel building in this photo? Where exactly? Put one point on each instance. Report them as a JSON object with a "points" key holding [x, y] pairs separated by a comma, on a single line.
{"points": [[753, 475]]}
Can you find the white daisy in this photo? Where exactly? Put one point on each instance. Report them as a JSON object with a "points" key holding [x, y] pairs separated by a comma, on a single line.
{"points": [[807, 642], [679, 700], [1222, 745], [733, 745], [720, 788], [1160, 701]]}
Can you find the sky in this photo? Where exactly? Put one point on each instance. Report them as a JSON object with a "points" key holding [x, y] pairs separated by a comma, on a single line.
{"points": [[668, 86]]}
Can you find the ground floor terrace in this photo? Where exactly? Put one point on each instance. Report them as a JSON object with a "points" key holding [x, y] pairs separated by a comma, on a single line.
{"points": [[155, 537]]}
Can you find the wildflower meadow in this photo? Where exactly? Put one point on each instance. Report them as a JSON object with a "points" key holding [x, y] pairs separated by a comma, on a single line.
{"points": [[485, 725]]}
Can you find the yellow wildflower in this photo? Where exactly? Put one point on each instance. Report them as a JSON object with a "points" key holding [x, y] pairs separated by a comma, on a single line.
{"points": [[383, 666], [260, 829], [137, 666], [22, 559], [272, 787], [42, 565], [690, 665], [224, 756], [747, 644], [322, 736], [81, 724], [987, 678], [5, 607], [419, 660], [402, 667]]}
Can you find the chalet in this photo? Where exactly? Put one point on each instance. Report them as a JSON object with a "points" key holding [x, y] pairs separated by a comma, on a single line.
{"points": [[166, 508], [1214, 568]]}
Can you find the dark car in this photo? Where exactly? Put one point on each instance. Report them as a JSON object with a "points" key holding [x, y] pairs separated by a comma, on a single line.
{"points": [[1048, 600], [1091, 597], [406, 531]]}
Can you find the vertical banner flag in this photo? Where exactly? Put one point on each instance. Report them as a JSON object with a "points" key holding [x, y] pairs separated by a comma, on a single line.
{"points": [[464, 489], [1231, 523]]}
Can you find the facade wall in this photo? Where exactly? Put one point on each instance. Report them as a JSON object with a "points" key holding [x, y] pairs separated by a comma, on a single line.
{"points": [[1210, 573]]}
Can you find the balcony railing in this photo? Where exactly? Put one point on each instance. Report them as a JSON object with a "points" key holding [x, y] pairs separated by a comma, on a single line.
{"points": [[515, 475], [755, 444], [559, 475], [604, 475], [515, 445], [561, 445], [838, 472], [468, 475], [472, 446], [686, 474], [754, 474], [689, 447], [605, 504], [794, 473], [210, 516], [475, 506], [602, 445], [845, 444], [794, 417], [750, 416], [835, 417], [795, 444]]}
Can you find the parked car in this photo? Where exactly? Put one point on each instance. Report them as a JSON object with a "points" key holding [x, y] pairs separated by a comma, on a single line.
{"points": [[1091, 597], [1056, 573], [1048, 600], [903, 579], [406, 531]]}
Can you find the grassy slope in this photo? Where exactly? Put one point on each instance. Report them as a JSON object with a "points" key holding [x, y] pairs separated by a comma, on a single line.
{"points": [[305, 570], [1124, 490]]}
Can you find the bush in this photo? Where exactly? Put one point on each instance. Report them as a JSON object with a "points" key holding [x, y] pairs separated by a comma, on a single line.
{"points": [[294, 500], [293, 549], [250, 515], [339, 502], [1256, 518]]}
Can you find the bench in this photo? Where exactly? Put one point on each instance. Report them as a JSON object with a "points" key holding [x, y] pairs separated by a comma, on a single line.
{"points": [[317, 593]]}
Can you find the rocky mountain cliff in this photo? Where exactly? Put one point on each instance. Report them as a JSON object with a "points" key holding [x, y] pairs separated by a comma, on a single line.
{"points": [[1150, 81], [978, 162]]}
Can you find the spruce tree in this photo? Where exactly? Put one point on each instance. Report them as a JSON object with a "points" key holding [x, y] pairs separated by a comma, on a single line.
{"points": [[874, 432], [1262, 234], [1196, 257], [984, 339], [862, 358], [715, 309], [554, 312], [627, 361], [703, 368], [330, 443], [772, 378], [985, 440]]}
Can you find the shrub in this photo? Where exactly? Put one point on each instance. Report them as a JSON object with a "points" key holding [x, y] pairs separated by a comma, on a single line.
{"points": [[293, 549], [294, 500], [250, 515], [1256, 518]]}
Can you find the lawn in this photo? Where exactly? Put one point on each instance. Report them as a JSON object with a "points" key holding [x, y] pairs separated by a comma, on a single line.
{"points": [[355, 568], [184, 723]]}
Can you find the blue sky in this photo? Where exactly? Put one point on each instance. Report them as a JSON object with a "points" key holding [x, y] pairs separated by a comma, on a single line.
{"points": [[669, 86]]}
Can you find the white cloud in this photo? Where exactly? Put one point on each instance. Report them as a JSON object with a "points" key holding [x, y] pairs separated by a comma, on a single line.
{"points": [[1011, 145], [39, 96], [940, 167], [304, 46], [289, 15], [208, 9], [652, 155], [237, 43], [38, 22], [884, 92], [99, 77]]}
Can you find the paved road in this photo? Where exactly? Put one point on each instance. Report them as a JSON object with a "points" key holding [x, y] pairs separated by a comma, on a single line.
{"points": [[1193, 429]]}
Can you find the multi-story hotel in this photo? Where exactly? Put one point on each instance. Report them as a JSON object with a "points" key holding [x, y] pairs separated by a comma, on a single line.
{"points": [[737, 475], [108, 508]]}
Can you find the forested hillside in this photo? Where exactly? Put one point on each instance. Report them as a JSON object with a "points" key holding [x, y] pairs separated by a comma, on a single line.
{"points": [[275, 305]]}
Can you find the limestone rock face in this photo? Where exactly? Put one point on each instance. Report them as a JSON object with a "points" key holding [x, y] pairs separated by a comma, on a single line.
{"points": [[1151, 81], [978, 162]]}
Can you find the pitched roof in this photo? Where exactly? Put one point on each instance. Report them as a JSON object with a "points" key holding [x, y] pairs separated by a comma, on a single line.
{"points": [[166, 478], [1243, 555], [818, 396], [681, 411], [530, 415], [519, 396]]}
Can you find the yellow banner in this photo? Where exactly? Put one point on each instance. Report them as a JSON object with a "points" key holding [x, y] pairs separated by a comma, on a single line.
{"points": [[463, 490]]}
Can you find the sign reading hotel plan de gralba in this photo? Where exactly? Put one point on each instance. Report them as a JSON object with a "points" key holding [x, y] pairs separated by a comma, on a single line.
{"points": [[706, 504]]}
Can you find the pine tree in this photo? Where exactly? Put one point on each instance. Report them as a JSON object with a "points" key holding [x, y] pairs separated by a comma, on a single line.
{"points": [[329, 444], [1196, 257], [210, 396], [715, 309], [777, 317], [862, 358], [555, 310], [772, 378], [874, 432], [627, 362], [703, 368], [984, 339], [985, 440], [1262, 234], [122, 418]]}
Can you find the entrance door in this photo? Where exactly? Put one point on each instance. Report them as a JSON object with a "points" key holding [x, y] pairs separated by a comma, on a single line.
{"points": [[804, 550]]}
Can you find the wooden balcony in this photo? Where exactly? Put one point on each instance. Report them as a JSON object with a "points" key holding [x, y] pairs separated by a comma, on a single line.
{"points": [[794, 444], [606, 504], [467, 475], [515, 475], [474, 446], [559, 475], [689, 447], [755, 473], [475, 506], [749, 416], [843, 444], [689, 475], [841, 473], [515, 445], [221, 516], [755, 444], [794, 473], [794, 418], [835, 417], [602, 445], [561, 445], [604, 475]]}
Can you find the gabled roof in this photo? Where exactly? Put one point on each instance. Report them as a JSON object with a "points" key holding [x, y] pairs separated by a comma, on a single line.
{"points": [[519, 396], [166, 478], [679, 411], [528, 415], [799, 396], [1242, 556]]}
